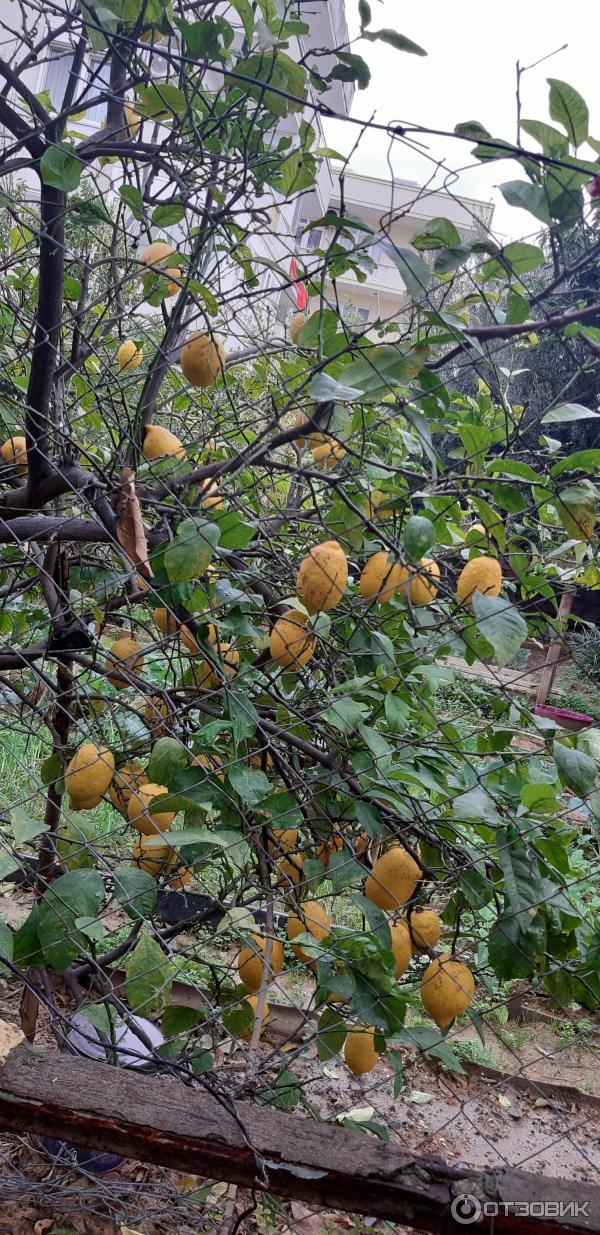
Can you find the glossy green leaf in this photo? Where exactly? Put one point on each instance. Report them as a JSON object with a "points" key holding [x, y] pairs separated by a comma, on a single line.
{"points": [[501, 625], [569, 109], [60, 167], [191, 550]]}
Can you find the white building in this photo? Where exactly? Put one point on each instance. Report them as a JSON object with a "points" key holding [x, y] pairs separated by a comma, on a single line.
{"points": [[393, 209]]}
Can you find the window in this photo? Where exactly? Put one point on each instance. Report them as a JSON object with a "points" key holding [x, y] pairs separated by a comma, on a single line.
{"points": [[94, 78], [355, 314], [314, 239]]}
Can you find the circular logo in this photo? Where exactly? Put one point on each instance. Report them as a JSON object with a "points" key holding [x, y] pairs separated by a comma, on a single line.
{"points": [[466, 1209]]}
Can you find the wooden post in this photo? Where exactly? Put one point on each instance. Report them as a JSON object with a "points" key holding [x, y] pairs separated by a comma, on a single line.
{"points": [[554, 651], [154, 1119]]}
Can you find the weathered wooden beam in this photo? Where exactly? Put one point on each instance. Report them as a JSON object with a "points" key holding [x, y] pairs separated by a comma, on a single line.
{"points": [[154, 1119]]}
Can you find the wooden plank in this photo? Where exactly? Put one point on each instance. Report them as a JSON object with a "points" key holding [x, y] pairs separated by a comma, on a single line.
{"points": [[554, 651], [152, 1119], [504, 679]]}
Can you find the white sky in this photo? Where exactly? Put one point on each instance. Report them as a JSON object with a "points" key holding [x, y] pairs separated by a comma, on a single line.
{"points": [[469, 74]]}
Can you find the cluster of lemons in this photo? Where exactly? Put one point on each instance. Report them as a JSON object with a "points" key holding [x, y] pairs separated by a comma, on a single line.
{"points": [[447, 984], [91, 774]]}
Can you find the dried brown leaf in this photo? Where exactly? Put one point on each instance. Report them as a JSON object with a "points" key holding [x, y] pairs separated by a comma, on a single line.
{"points": [[131, 532]]}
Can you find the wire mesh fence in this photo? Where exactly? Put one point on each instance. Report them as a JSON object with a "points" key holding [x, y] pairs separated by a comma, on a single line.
{"points": [[287, 815]]}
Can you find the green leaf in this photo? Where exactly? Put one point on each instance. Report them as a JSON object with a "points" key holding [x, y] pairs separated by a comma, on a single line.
{"points": [[177, 1020], [331, 1032], [501, 625], [23, 827], [168, 214], [399, 41], [566, 413], [161, 101], [135, 890], [539, 797], [6, 944], [569, 109], [381, 370], [71, 288], [477, 805], [344, 714], [251, 786], [419, 536], [530, 197], [238, 1019], [206, 38], [364, 13], [168, 757], [552, 142], [450, 258], [522, 258], [580, 461], [287, 1092], [26, 944], [133, 198], [234, 532], [298, 171], [518, 308], [397, 713], [576, 770], [149, 976], [244, 11], [508, 497], [435, 234], [476, 440], [351, 67], [271, 68], [243, 715], [60, 167], [188, 555], [50, 770], [324, 387], [78, 894], [412, 267]]}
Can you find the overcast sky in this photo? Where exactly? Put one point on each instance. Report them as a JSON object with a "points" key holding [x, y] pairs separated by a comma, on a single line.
{"points": [[469, 74]]}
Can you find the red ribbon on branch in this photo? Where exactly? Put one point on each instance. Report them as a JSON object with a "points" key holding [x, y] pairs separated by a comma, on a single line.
{"points": [[301, 292]]}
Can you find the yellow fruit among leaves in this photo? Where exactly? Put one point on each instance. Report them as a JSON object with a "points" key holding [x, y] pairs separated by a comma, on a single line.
{"points": [[425, 930], [401, 947], [359, 1050], [202, 360], [150, 855], [315, 920], [393, 879], [251, 963], [420, 588], [129, 356], [88, 775], [132, 120], [296, 325], [328, 454], [481, 574], [138, 812], [282, 840], [125, 658], [210, 498], [290, 644], [381, 577], [322, 577], [125, 781], [290, 870], [210, 676], [14, 452], [153, 261], [160, 443], [447, 988]]}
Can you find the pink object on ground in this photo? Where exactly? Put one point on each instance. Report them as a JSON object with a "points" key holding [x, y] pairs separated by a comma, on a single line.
{"points": [[564, 716]]}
